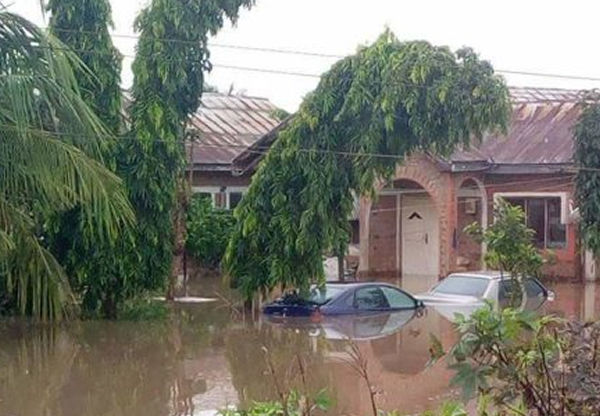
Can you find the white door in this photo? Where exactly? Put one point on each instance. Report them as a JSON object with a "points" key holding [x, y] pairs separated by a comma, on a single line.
{"points": [[420, 236]]}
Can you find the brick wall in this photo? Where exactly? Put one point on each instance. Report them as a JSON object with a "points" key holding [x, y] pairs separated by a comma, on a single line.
{"points": [[378, 240], [467, 248], [382, 239]]}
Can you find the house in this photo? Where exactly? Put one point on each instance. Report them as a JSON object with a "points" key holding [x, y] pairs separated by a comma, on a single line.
{"points": [[230, 134], [415, 226]]}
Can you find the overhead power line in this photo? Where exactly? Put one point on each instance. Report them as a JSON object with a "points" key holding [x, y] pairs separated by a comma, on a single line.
{"points": [[284, 51]]}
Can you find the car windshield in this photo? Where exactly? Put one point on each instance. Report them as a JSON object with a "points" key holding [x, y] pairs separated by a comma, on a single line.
{"points": [[322, 295], [462, 285]]}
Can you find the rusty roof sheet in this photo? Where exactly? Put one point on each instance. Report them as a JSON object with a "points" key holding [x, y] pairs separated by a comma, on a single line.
{"points": [[225, 126], [540, 130]]}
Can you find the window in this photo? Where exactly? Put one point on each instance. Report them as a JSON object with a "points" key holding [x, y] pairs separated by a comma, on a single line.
{"points": [[533, 289], [463, 285], [322, 295], [543, 215], [234, 199], [397, 299], [370, 298], [223, 197], [509, 293]]}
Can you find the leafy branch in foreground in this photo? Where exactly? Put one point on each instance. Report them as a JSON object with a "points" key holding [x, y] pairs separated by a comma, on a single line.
{"points": [[83, 26], [49, 163], [391, 98], [587, 181], [509, 242], [520, 363]]}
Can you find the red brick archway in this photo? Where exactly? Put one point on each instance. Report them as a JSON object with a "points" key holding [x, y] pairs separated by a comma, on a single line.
{"points": [[378, 225]]}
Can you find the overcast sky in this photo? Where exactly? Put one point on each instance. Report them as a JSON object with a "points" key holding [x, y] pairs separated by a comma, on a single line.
{"points": [[558, 37]]}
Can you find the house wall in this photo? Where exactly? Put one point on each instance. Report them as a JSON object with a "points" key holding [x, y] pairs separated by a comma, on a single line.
{"points": [[375, 228], [567, 262], [458, 252], [219, 179]]}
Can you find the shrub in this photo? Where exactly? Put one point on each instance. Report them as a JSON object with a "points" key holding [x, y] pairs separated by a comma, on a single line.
{"points": [[526, 364], [208, 231], [142, 309]]}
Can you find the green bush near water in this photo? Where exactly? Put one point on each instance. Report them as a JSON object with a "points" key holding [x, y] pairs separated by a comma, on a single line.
{"points": [[208, 231], [142, 309]]}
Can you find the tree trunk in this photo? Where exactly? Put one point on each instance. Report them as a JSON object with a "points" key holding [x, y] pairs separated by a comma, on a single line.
{"points": [[341, 275], [179, 233]]}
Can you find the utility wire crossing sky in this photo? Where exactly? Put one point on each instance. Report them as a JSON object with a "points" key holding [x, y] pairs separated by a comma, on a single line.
{"points": [[278, 49]]}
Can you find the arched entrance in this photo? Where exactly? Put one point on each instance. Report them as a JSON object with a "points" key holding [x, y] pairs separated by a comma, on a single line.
{"points": [[471, 202], [418, 230], [403, 231]]}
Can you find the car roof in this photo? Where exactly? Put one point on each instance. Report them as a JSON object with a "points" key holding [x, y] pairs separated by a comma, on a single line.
{"points": [[484, 274], [356, 284]]}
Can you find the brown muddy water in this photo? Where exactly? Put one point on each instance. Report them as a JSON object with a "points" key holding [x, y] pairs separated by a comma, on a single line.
{"points": [[207, 358]]}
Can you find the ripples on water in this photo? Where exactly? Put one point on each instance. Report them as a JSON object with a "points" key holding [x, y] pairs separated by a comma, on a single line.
{"points": [[206, 358]]}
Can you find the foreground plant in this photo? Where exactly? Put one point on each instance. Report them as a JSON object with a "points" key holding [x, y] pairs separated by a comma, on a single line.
{"points": [[83, 26], [522, 363], [50, 161], [509, 242]]}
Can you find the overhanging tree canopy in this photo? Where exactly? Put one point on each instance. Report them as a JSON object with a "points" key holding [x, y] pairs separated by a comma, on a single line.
{"points": [[587, 157], [367, 114]]}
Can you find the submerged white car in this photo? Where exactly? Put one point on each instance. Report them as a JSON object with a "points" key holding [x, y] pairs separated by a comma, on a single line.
{"points": [[466, 292]]}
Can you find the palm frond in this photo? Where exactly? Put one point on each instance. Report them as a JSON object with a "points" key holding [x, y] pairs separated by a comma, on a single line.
{"points": [[50, 161]]}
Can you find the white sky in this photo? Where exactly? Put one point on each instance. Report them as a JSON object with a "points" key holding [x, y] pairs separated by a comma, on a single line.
{"points": [[549, 36]]}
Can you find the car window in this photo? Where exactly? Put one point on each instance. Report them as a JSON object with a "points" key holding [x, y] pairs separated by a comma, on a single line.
{"points": [[533, 289], [509, 293], [370, 298], [398, 299], [322, 295], [463, 285]]}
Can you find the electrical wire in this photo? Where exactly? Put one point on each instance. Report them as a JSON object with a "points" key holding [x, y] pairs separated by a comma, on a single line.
{"points": [[307, 53]]}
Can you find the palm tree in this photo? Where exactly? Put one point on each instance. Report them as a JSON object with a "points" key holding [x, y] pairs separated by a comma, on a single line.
{"points": [[50, 161]]}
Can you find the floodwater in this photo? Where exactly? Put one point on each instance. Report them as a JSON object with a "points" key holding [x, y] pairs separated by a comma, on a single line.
{"points": [[208, 357]]}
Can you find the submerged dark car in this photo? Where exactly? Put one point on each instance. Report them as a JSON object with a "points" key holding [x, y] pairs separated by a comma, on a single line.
{"points": [[344, 299]]}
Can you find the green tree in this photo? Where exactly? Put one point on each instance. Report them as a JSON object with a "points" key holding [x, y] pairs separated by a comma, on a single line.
{"points": [[368, 113], [208, 231], [509, 242], [83, 26], [587, 181], [172, 57], [50, 153]]}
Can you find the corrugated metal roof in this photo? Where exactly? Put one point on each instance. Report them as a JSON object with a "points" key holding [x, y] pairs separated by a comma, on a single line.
{"points": [[227, 125], [540, 130]]}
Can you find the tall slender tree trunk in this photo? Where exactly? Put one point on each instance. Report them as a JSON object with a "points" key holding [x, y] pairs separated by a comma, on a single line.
{"points": [[179, 225], [341, 272], [179, 232]]}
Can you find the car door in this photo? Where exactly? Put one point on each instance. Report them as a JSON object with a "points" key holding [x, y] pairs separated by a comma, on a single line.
{"points": [[370, 299], [535, 294], [397, 299], [510, 294]]}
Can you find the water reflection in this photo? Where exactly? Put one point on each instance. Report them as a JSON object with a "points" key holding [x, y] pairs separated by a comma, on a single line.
{"points": [[205, 358], [357, 328]]}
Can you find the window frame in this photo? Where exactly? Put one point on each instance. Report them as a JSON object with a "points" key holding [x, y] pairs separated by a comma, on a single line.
{"points": [[369, 287], [545, 196], [227, 190]]}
